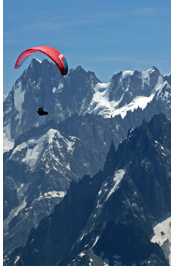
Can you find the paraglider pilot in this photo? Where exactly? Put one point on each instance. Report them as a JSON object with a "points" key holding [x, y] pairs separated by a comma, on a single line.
{"points": [[41, 111]]}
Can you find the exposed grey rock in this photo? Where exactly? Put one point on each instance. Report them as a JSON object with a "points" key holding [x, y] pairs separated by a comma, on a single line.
{"points": [[113, 212], [46, 153]]}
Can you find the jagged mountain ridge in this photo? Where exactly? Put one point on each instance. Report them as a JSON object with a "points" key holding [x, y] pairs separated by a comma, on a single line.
{"points": [[43, 162], [100, 216], [74, 101], [41, 166], [81, 92], [42, 84]]}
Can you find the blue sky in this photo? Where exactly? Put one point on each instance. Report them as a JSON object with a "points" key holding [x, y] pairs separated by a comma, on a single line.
{"points": [[103, 36]]}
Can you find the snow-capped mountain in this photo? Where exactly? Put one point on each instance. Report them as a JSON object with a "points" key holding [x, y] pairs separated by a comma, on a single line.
{"points": [[43, 155], [42, 84], [40, 167], [125, 92], [114, 217], [81, 92]]}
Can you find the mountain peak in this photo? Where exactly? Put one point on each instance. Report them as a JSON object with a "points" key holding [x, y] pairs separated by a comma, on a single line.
{"points": [[110, 159], [155, 69], [107, 212], [79, 69], [36, 60], [35, 64], [158, 126]]}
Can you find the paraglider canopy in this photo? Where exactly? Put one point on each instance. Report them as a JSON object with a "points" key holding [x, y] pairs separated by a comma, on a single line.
{"points": [[54, 54]]}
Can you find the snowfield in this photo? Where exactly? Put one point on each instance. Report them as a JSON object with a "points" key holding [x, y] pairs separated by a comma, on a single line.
{"points": [[162, 236], [101, 105]]}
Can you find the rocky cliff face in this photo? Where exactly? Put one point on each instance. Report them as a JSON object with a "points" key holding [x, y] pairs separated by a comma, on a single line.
{"points": [[109, 218], [40, 167], [44, 154], [42, 84], [143, 93]]}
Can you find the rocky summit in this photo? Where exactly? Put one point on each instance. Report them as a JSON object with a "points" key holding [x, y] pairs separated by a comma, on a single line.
{"points": [[132, 95]]}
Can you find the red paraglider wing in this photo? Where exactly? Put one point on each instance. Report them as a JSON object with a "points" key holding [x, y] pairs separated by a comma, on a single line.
{"points": [[54, 54]]}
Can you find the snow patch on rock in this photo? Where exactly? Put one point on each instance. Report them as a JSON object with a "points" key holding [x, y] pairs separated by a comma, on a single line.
{"points": [[18, 96], [162, 236], [127, 73], [116, 180]]}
